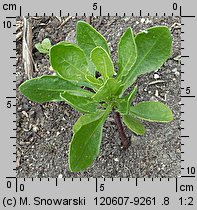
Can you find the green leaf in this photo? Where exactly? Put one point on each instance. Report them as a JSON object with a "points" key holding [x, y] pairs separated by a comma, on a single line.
{"points": [[88, 38], [154, 48], [44, 46], [95, 82], [79, 102], [69, 61], [102, 62], [81, 92], [127, 53], [123, 104], [40, 49], [135, 125], [86, 119], [65, 43], [110, 89], [47, 88], [152, 111], [85, 144]]}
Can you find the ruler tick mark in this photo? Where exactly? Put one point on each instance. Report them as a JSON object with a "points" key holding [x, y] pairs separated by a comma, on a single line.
{"points": [[176, 185], [11, 17], [188, 96], [188, 16], [96, 185], [20, 9]]}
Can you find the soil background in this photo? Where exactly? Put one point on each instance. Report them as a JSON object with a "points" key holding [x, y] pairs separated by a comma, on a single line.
{"points": [[44, 130]]}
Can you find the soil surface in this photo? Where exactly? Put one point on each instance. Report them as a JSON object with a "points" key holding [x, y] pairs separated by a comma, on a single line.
{"points": [[44, 130]]}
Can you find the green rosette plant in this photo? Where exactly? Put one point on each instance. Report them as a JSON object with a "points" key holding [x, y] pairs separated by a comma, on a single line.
{"points": [[76, 84]]}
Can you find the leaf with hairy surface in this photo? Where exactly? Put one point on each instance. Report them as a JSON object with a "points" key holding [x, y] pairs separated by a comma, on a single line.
{"points": [[47, 88], [134, 124], [154, 47], [102, 62], [152, 111], [86, 141], [127, 53]]}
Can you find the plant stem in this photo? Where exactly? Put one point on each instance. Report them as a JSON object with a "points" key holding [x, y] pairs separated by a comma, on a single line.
{"points": [[121, 130]]}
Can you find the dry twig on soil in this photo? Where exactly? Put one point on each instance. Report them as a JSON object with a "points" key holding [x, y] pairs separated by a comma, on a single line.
{"points": [[27, 48]]}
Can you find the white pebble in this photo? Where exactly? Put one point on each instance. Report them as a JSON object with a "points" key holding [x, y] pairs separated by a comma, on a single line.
{"points": [[142, 20], [157, 93], [148, 21], [127, 19], [174, 70], [25, 113], [116, 159], [156, 76], [35, 128], [60, 176]]}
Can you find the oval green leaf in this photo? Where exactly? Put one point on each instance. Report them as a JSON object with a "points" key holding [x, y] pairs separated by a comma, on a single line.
{"points": [[69, 61], [88, 38], [133, 124], [85, 144], [152, 111], [47, 88], [102, 62], [127, 53], [153, 48]]}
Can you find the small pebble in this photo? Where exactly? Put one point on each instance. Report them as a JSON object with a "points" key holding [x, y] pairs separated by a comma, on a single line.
{"points": [[127, 19], [60, 176], [35, 128], [142, 20], [156, 76], [148, 21], [116, 159], [156, 93], [25, 113]]}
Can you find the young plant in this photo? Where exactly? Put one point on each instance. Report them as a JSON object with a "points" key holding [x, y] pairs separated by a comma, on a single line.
{"points": [[44, 46], [76, 84]]}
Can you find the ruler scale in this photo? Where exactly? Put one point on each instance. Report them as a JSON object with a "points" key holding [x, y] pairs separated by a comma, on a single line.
{"points": [[106, 193]]}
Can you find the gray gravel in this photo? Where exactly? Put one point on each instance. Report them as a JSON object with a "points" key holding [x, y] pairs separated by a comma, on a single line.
{"points": [[45, 130]]}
